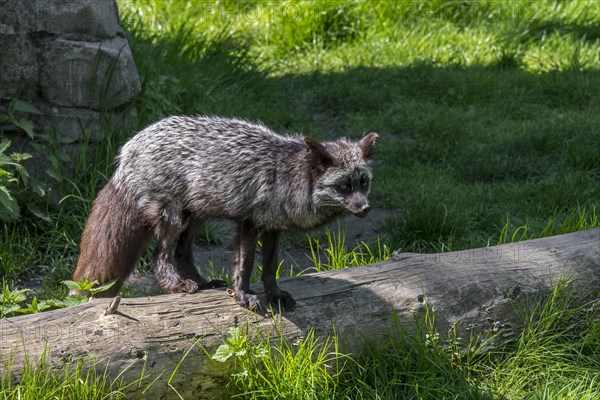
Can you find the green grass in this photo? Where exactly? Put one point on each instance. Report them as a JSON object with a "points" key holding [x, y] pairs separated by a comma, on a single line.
{"points": [[489, 117], [265, 368], [336, 254], [555, 356], [77, 380], [559, 223], [487, 111]]}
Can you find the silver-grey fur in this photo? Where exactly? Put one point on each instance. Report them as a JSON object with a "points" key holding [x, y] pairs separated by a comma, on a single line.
{"points": [[182, 170]]}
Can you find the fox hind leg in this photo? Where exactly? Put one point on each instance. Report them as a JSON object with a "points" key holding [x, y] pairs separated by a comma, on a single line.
{"points": [[167, 231], [184, 258]]}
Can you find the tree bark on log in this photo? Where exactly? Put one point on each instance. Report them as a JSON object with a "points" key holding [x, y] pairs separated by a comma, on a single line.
{"points": [[471, 289]]}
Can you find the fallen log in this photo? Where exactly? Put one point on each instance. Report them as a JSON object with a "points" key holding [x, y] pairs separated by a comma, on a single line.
{"points": [[471, 290]]}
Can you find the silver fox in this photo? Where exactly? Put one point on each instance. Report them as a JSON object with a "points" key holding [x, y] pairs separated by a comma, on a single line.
{"points": [[180, 171]]}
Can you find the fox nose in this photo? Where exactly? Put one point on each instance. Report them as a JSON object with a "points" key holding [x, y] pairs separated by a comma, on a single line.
{"points": [[364, 210]]}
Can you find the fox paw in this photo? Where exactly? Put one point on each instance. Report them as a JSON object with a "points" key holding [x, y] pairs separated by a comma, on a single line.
{"points": [[186, 286], [247, 300], [281, 298]]}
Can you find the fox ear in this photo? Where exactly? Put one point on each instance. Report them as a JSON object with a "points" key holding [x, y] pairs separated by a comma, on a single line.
{"points": [[367, 144], [320, 156]]}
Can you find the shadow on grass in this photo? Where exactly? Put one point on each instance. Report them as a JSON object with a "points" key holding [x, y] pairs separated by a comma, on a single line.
{"points": [[589, 32], [461, 149]]}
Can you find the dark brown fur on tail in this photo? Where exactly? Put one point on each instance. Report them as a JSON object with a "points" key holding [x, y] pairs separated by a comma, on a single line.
{"points": [[114, 237]]}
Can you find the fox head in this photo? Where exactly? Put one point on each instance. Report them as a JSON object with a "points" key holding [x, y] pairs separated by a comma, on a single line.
{"points": [[341, 173]]}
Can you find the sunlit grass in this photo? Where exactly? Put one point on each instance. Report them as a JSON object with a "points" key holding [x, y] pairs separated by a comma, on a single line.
{"points": [[337, 253], [559, 223], [267, 368], [489, 116], [77, 380]]}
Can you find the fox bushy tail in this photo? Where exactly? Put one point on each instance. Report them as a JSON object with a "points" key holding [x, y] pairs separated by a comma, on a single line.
{"points": [[114, 237]]}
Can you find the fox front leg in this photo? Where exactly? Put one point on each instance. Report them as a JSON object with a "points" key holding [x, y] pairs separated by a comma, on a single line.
{"points": [[244, 262], [275, 296]]}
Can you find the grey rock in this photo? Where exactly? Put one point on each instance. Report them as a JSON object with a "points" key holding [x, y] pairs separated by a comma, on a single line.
{"points": [[98, 18], [69, 58], [88, 74], [19, 67]]}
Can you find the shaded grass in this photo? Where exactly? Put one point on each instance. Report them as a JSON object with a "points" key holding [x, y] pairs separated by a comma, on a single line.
{"points": [[561, 222], [487, 111]]}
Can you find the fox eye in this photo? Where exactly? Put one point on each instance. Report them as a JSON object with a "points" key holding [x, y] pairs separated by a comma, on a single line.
{"points": [[363, 182], [344, 186]]}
